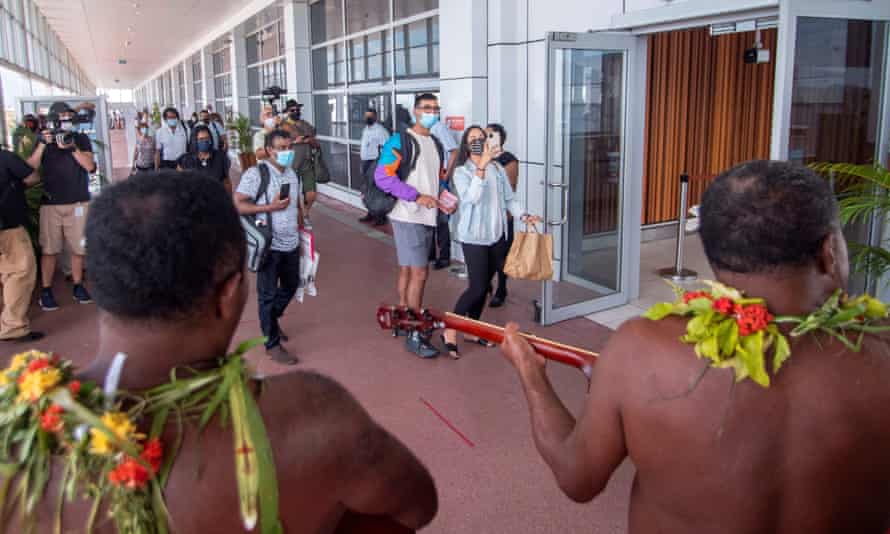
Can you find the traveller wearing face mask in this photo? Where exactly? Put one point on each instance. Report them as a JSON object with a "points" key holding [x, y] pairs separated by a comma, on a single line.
{"points": [[270, 123], [206, 160], [144, 152], [215, 131], [216, 123], [66, 176], [374, 136], [24, 137], [410, 167], [172, 140], [304, 145], [279, 275], [480, 223]]}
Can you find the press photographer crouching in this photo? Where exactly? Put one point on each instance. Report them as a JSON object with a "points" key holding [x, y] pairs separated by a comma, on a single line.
{"points": [[18, 268], [67, 160]]}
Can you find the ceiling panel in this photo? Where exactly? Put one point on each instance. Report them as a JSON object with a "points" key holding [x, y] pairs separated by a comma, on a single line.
{"points": [[95, 31]]}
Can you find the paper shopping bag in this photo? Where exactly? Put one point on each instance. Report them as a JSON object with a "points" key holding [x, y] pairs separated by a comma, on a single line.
{"points": [[531, 256], [309, 257]]}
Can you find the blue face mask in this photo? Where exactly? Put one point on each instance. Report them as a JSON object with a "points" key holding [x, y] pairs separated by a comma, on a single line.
{"points": [[172, 122], [285, 158], [428, 120], [144, 130], [204, 145]]}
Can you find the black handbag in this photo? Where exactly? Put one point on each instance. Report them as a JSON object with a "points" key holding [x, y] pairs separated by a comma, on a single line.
{"points": [[258, 236]]}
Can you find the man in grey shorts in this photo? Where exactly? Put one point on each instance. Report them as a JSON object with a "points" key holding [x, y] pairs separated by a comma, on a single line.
{"points": [[414, 215]]}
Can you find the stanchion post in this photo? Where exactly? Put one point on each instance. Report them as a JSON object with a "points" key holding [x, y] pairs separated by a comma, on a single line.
{"points": [[677, 273]]}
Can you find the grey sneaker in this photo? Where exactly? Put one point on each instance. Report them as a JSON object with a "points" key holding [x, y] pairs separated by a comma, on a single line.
{"points": [[280, 355], [420, 346]]}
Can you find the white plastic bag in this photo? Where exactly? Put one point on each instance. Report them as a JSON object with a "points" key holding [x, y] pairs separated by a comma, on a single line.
{"points": [[308, 265]]}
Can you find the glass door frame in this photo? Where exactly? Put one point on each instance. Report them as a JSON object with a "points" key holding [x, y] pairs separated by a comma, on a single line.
{"points": [[634, 49], [789, 13]]}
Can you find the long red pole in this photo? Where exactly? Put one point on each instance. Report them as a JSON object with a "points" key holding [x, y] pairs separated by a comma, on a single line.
{"points": [[580, 358]]}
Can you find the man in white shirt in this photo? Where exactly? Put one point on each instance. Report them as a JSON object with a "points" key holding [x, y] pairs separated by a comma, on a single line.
{"points": [[374, 136], [279, 275], [172, 140], [442, 235]]}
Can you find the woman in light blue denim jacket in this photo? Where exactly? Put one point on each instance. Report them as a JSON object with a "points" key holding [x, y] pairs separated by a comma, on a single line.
{"points": [[480, 223]]}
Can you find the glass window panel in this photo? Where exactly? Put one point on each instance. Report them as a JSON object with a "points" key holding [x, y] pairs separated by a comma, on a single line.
{"points": [[253, 81], [418, 33], [435, 69], [835, 99], [355, 166], [320, 69], [269, 42], [340, 55], [254, 107], [330, 115], [357, 55], [335, 155], [252, 48], [326, 18], [407, 8], [418, 59], [364, 14]]}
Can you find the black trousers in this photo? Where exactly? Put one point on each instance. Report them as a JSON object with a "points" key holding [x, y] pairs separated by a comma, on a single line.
{"points": [[502, 278], [167, 164], [482, 263], [441, 239], [277, 283], [366, 164]]}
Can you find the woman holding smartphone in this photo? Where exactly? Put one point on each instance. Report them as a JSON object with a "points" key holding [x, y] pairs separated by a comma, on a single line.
{"points": [[480, 223]]}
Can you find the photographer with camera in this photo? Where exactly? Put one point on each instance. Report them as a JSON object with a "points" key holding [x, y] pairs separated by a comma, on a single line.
{"points": [[67, 160]]}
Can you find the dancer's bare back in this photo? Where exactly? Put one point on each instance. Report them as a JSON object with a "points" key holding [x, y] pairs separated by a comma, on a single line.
{"points": [[330, 458], [809, 454]]}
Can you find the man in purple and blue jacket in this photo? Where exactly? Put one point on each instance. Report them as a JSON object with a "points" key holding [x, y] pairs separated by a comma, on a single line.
{"points": [[414, 216]]}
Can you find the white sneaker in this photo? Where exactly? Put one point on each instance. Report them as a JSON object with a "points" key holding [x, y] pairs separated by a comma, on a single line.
{"points": [[300, 293], [311, 289]]}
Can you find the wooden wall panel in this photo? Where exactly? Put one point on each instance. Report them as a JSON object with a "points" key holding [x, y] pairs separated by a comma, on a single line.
{"points": [[706, 111]]}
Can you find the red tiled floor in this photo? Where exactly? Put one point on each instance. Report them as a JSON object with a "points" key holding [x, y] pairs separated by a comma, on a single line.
{"points": [[497, 485]]}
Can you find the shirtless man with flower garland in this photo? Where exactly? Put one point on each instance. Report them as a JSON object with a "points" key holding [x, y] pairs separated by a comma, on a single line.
{"points": [[167, 262], [798, 449]]}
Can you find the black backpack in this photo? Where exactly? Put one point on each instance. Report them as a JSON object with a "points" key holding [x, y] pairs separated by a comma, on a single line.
{"points": [[378, 201]]}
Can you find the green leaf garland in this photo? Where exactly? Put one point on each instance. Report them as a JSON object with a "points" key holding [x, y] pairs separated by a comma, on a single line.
{"points": [[734, 332]]}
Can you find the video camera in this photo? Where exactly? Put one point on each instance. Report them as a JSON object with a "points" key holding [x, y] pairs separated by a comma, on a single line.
{"points": [[62, 135], [271, 95]]}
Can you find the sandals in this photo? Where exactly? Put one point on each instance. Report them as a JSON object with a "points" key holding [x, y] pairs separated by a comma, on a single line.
{"points": [[451, 348], [482, 342]]}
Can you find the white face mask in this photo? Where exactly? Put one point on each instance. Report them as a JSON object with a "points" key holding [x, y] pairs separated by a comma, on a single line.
{"points": [[269, 123]]}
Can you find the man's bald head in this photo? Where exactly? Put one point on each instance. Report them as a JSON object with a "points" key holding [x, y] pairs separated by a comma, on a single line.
{"points": [[764, 216]]}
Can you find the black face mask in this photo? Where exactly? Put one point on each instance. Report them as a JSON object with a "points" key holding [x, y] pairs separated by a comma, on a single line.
{"points": [[369, 121], [294, 115]]}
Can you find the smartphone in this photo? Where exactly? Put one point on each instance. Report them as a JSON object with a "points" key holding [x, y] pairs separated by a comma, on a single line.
{"points": [[494, 141], [285, 191]]}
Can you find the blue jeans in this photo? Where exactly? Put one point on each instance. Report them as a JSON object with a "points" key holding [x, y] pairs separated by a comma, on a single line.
{"points": [[277, 283]]}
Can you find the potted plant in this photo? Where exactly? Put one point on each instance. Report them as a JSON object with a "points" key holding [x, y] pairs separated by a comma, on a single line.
{"points": [[242, 128], [156, 115]]}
